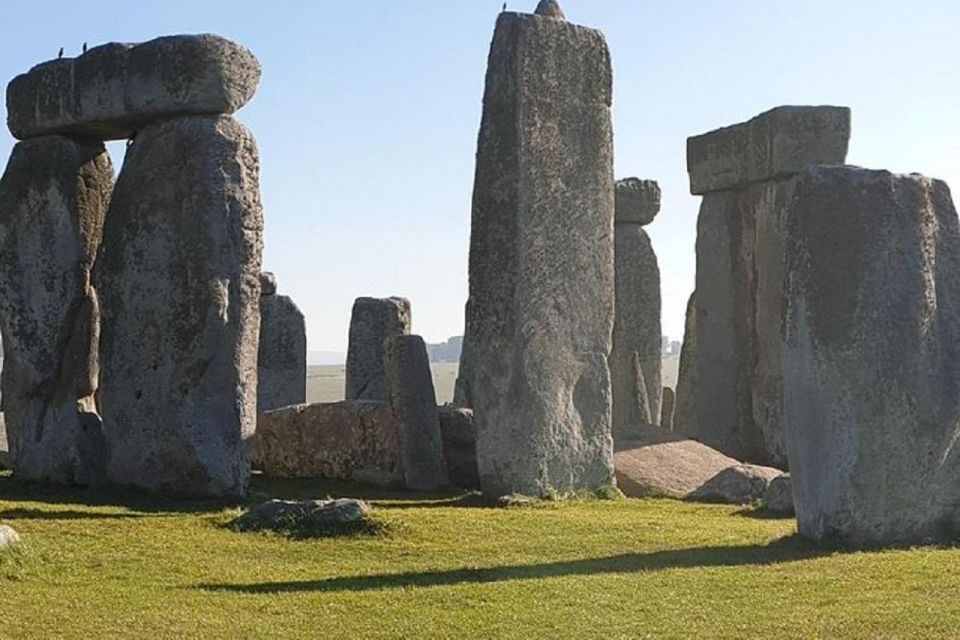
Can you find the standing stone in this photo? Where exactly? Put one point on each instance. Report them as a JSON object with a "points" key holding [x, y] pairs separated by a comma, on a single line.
{"points": [[410, 392], [459, 446], [180, 289], [872, 357], [373, 320], [685, 410], [53, 198], [282, 360], [112, 91], [636, 329], [743, 173], [4, 447], [540, 314], [666, 413]]}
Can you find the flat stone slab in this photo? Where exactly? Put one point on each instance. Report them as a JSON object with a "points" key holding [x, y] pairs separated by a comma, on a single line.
{"points": [[112, 91], [658, 463], [301, 515], [775, 144], [355, 440]]}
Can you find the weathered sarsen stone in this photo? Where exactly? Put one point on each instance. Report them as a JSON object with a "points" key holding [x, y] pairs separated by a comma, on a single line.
{"points": [[409, 386], [112, 91], [355, 440], [540, 314], [282, 360], [371, 322], [179, 288], [744, 173], [53, 199], [636, 356], [872, 357], [459, 446]]}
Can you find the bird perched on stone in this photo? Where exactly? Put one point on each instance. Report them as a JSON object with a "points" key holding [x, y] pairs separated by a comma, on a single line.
{"points": [[504, 9], [84, 47], [60, 55], [550, 8]]}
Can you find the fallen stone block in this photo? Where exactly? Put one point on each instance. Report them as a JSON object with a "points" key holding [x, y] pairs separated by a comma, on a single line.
{"points": [[739, 484], [779, 495]]}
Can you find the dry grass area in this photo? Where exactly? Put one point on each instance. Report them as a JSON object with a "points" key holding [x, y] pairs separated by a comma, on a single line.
{"points": [[107, 565]]}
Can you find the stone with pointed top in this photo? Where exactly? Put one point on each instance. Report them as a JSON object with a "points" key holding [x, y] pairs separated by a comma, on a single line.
{"points": [[551, 9]]}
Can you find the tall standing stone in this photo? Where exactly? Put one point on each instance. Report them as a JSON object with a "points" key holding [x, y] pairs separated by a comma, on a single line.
{"points": [[872, 357], [179, 285], [685, 410], [53, 199], [409, 386], [743, 173], [282, 360], [372, 321], [540, 314], [637, 335]]}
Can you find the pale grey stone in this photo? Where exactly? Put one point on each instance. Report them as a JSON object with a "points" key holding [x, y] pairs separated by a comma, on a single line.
{"points": [[179, 282], [739, 484], [775, 144], [372, 321], [112, 91], [4, 447], [9, 538], [637, 201], [871, 352], [636, 357], [540, 315], [409, 386], [779, 495], [685, 411], [53, 199], [282, 359]]}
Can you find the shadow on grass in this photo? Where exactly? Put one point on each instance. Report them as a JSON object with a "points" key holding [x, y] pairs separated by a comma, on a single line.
{"points": [[261, 489], [788, 549], [759, 513], [67, 514]]}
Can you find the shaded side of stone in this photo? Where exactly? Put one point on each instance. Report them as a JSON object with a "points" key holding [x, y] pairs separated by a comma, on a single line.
{"points": [[459, 446], [54, 195], [410, 392], [685, 411], [871, 357], [179, 281], [353, 440], [112, 91], [282, 360], [667, 408], [637, 336], [372, 321], [540, 315]]}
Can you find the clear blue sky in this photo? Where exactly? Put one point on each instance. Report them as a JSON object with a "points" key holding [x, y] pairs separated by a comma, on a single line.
{"points": [[368, 111]]}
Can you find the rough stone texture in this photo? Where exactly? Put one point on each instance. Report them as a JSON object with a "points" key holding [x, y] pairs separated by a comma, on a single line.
{"points": [[113, 91], [9, 538], [296, 515], [550, 9], [179, 282], [459, 446], [5, 462], [282, 360], [540, 314], [775, 144], [410, 393], [657, 463], [779, 495], [373, 320], [685, 410], [355, 440], [53, 199], [637, 335], [268, 284], [637, 201], [872, 357], [667, 408], [739, 484]]}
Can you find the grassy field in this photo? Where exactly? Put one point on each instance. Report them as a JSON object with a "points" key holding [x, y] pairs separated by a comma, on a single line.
{"points": [[325, 383], [109, 566]]}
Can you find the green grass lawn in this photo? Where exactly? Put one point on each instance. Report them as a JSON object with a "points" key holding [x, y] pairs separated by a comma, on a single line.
{"points": [[112, 566]]}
